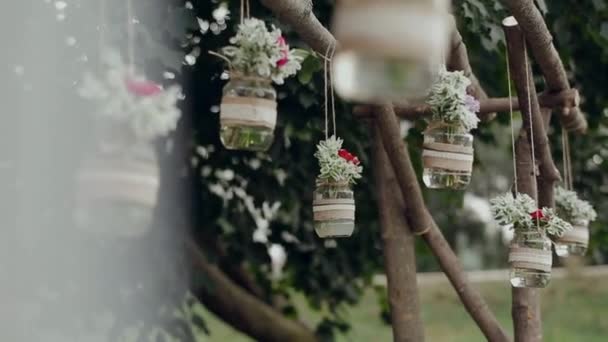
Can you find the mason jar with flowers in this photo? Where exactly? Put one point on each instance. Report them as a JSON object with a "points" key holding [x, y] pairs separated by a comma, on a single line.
{"points": [[579, 213], [333, 198], [388, 48], [118, 181], [448, 146], [257, 57], [530, 255]]}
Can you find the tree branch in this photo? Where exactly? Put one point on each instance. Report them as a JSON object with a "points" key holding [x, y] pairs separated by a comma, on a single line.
{"points": [[422, 223], [299, 16], [399, 253], [526, 302], [242, 310], [459, 60], [563, 100], [540, 42]]}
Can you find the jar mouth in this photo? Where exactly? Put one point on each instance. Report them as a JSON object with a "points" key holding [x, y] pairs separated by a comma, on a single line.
{"points": [[238, 75], [447, 124], [330, 182]]}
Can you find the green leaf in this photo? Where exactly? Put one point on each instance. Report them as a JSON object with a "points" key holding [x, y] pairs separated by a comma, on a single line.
{"points": [[310, 66]]}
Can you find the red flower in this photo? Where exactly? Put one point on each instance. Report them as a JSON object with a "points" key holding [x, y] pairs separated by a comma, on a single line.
{"points": [[537, 215], [344, 154], [143, 88], [284, 52]]}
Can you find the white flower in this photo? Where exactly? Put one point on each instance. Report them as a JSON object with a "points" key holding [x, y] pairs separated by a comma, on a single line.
{"points": [[256, 51], [149, 117], [278, 259], [335, 167], [571, 207], [448, 99]]}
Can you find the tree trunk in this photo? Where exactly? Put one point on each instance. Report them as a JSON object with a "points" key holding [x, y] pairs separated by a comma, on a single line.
{"points": [[242, 310], [541, 45], [423, 224], [399, 252], [532, 146]]}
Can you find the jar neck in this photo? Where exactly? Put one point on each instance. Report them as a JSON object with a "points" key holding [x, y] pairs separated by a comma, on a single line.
{"points": [[451, 125], [249, 78], [328, 183]]}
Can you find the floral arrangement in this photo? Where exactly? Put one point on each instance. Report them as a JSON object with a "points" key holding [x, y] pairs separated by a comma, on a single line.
{"points": [[449, 100], [256, 51], [124, 97], [522, 214], [571, 207], [336, 163]]}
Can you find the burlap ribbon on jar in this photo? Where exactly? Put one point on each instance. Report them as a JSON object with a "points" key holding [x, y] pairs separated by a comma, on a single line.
{"points": [[578, 234], [119, 179], [248, 111], [333, 209], [447, 156], [392, 28], [530, 258]]}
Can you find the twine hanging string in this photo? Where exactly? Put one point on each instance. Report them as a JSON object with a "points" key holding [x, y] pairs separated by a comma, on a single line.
{"points": [[130, 36], [528, 85], [329, 90], [567, 162], [101, 27], [245, 10], [512, 127]]}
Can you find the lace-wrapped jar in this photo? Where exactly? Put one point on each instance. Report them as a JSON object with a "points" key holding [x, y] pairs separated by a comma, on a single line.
{"points": [[333, 209], [388, 48], [530, 259], [248, 113], [117, 185], [447, 157], [574, 241]]}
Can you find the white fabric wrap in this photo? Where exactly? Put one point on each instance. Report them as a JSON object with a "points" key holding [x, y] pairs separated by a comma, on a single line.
{"points": [[119, 179], [333, 209], [531, 258], [412, 30], [578, 234], [447, 156], [248, 111]]}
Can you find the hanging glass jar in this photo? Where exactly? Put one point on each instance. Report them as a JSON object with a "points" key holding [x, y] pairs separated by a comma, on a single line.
{"points": [[117, 185], [530, 259], [388, 48], [447, 156], [574, 241], [248, 113], [333, 209]]}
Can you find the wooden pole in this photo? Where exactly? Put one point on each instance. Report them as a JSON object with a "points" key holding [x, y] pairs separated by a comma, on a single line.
{"points": [[423, 224], [299, 15], [539, 185], [398, 249], [541, 45], [565, 99]]}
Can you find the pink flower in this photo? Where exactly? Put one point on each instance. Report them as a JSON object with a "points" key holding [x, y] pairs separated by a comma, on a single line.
{"points": [[471, 103], [143, 88], [284, 52]]}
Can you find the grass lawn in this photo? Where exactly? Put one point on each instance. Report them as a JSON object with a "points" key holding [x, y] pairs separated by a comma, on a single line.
{"points": [[573, 310]]}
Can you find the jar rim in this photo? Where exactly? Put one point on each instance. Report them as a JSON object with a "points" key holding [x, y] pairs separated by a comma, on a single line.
{"points": [[325, 181], [237, 75]]}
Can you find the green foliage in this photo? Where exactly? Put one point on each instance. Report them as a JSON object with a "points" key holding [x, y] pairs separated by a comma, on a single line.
{"points": [[449, 100], [520, 213], [571, 207], [333, 166]]}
